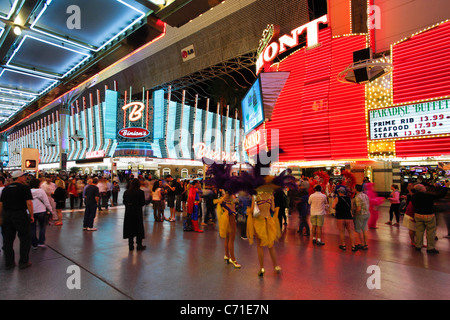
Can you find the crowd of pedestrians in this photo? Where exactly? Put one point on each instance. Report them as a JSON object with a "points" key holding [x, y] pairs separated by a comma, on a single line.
{"points": [[29, 204]]}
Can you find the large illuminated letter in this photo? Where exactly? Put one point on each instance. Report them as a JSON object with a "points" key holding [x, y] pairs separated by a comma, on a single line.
{"points": [[136, 112], [312, 30]]}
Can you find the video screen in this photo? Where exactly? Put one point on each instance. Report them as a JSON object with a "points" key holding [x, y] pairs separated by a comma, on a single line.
{"points": [[252, 107]]}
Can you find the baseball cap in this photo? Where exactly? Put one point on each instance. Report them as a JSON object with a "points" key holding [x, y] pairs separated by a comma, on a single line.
{"points": [[341, 190], [17, 174]]}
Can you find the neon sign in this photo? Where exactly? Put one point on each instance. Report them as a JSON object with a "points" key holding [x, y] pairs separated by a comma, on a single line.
{"points": [[271, 32], [252, 140], [271, 51], [136, 112], [205, 152], [411, 121], [134, 133], [95, 154]]}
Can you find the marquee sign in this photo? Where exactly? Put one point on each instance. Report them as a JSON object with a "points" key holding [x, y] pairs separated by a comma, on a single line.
{"points": [[203, 151], [133, 133], [410, 121], [132, 121], [252, 140], [95, 154], [272, 50]]}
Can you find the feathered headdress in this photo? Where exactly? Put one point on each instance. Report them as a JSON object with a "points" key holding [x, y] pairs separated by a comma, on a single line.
{"points": [[350, 180], [322, 179], [250, 181]]}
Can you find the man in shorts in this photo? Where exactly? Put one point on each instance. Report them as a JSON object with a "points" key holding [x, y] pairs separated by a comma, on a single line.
{"points": [[361, 216], [318, 208]]}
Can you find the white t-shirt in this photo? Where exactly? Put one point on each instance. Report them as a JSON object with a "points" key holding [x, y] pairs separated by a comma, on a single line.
{"points": [[156, 194], [319, 203]]}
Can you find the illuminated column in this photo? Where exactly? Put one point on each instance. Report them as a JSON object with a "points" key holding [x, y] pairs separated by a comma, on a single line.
{"points": [[72, 128], [63, 135], [185, 129], [44, 140], [92, 127], [57, 126], [53, 136], [100, 123], [80, 145], [86, 129]]}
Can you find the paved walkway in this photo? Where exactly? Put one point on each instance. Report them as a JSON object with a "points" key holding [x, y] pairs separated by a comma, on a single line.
{"points": [[180, 265]]}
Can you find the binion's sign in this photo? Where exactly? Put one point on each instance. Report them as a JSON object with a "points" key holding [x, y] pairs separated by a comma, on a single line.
{"points": [[285, 42], [134, 133], [203, 151]]}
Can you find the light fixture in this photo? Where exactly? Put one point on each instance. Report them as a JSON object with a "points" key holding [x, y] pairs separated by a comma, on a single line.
{"points": [[158, 2], [17, 30]]}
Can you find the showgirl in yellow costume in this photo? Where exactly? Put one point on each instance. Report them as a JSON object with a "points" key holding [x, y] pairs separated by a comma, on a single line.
{"points": [[226, 206], [264, 226], [226, 213]]}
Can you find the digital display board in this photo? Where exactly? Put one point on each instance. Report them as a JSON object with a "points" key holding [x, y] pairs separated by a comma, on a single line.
{"points": [[252, 107], [410, 121]]}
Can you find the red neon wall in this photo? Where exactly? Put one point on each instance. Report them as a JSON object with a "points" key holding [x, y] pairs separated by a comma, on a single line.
{"points": [[421, 66], [347, 104], [421, 72], [318, 117], [286, 116]]}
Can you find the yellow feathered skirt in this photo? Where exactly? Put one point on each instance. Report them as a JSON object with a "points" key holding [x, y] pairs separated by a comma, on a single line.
{"points": [[267, 230], [222, 218]]}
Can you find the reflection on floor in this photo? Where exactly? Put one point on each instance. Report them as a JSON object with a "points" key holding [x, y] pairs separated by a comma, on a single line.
{"points": [[180, 265]]}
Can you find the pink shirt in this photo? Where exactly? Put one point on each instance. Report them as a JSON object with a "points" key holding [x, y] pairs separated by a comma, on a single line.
{"points": [[395, 197]]}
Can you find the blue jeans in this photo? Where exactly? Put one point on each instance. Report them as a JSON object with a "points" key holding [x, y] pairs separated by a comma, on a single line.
{"points": [[89, 215], [41, 218]]}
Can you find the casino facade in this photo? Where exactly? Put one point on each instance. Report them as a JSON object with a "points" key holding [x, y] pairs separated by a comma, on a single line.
{"points": [[391, 126]]}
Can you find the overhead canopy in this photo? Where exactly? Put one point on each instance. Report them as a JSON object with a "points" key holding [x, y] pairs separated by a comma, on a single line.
{"points": [[44, 42], [47, 47]]}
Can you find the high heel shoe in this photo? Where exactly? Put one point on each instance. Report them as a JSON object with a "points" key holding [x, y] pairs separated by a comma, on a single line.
{"points": [[277, 269], [234, 263], [226, 259], [261, 272]]}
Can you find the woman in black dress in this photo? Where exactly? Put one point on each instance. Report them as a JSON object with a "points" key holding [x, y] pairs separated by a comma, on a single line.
{"points": [[133, 225], [60, 198], [344, 218]]}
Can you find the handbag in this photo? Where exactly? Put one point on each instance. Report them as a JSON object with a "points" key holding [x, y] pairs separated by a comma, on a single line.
{"points": [[256, 210]]}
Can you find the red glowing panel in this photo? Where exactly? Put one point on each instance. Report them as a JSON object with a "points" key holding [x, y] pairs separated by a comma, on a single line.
{"points": [[316, 115], [420, 70], [346, 104], [286, 116], [423, 147]]}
